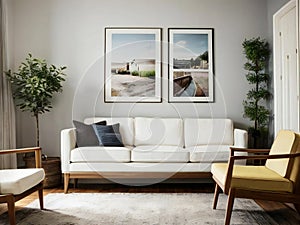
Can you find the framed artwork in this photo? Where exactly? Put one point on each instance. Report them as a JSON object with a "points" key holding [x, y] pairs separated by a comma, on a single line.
{"points": [[132, 65], [191, 77]]}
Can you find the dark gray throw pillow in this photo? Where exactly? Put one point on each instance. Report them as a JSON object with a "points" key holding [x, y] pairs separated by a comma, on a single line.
{"points": [[85, 134], [108, 135]]}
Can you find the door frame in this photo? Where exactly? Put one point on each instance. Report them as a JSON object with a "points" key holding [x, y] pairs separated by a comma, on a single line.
{"points": [[277, 66]]}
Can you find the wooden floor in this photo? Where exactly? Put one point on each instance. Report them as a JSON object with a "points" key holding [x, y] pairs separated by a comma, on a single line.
{"points": [[274, 209]]}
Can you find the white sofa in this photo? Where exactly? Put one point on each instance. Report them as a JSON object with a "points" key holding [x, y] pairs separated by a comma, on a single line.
{"points": [[154, 148]]}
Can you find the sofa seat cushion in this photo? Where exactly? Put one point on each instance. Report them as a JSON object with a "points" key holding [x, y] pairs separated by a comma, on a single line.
{"points": [[136, 167], [153, 153], [252, 178], [101, 154], [16, 181], [209, 153], [213, 153]]}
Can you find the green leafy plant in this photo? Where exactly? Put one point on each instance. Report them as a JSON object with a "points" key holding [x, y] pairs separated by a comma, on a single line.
{"points": [[135, 73], [34, 85], [150, 73], [257, 54]]}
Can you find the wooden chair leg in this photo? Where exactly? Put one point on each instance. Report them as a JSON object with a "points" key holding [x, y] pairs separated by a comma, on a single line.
{"points": [[66, 182], [216, 196], [11, 209], [41, 198], [297, 207], [230, 202]]}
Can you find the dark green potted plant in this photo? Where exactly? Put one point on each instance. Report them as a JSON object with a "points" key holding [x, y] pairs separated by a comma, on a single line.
{"points": [[257, 53], [33, 86]]}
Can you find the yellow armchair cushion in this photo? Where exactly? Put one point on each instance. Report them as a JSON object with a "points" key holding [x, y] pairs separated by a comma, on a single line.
{"points": [[252, 178]]}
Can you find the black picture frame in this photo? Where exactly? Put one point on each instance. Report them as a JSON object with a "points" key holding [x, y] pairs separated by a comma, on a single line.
{"points": [[191, 65]]}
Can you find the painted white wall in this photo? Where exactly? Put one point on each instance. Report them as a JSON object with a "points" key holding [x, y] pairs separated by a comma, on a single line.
{"points": [[71, 33]]}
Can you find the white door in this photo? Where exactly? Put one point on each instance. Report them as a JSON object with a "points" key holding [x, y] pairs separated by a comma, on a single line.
{"points": [[286, 79]]}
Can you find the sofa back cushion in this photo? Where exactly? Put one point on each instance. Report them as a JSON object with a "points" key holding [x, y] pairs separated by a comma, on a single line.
{"points": [[126, 127], [158, 131], [208, 131]]}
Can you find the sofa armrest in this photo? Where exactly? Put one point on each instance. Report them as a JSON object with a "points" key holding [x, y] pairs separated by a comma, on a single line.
{"points": [[68, 142], [240, 138]]}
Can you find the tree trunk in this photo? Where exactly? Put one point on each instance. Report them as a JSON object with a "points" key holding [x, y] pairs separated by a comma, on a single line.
{"points": [[37, 133], [37, 129], [255, 136], [256, 108]]}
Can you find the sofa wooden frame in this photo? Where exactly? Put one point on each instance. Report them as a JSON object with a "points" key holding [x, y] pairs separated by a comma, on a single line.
{"points": [[130, 175]]}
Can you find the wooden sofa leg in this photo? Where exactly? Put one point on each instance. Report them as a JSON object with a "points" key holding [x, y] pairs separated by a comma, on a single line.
{"points": [[11, 209], [230, 202], [66, 182], [216, 196]]}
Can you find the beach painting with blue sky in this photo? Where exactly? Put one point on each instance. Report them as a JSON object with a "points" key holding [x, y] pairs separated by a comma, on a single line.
{"points": [[190, 65], [132, 61], [190, 47], [126, 47]]}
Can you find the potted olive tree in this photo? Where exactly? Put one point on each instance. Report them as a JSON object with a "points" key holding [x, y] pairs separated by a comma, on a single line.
{"points": [[33, 86], [257, 54]]}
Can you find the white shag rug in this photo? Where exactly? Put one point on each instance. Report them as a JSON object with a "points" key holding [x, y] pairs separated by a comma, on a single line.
{"points": [[138, 209]]}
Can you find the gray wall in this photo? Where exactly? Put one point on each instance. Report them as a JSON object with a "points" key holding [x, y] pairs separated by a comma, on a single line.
{"points": [[71, 33]]}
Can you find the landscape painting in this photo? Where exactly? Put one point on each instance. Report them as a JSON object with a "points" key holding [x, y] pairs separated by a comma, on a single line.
{"points": [[133, 65], [190, 65]]}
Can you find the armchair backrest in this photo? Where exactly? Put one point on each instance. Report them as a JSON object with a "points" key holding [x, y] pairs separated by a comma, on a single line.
{"points": [[286, 142]]}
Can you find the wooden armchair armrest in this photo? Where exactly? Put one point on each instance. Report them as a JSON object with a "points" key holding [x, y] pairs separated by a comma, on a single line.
{"points": [[279, 156], [36, 150], [257, 150], [233, 158]]}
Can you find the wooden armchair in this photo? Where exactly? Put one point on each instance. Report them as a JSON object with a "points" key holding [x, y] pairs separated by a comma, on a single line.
{"points": [[278, 180], [16, 184]]}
